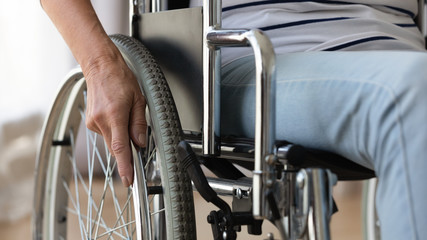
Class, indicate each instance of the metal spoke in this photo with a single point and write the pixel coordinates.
(114, 196)
(129, 211)
(87, 192)
(92, 141)
(85, 188)
(117, 205)
(114, 229)
(150, 158)
(78, 213)
(103, 197)
(102, 225)
(133, 231)
(90, 162)
(121, 214)
(82, 229)
(157, 212)
(107, 171)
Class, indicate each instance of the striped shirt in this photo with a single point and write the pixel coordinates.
(322, 25)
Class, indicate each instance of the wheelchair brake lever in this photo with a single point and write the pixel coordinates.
(192, 167)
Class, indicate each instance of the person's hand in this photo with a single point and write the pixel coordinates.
(115, 107)
(116, 110)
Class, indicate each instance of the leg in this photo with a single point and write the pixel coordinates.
(366, 106)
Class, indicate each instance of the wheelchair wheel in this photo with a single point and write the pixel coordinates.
(78, 193)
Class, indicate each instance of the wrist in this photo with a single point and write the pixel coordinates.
(101, 60)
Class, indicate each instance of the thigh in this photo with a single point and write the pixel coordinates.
(335, 101)
(369, 107)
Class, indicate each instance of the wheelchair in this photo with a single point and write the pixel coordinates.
(76, 176)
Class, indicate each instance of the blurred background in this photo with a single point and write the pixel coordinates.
(34, 60)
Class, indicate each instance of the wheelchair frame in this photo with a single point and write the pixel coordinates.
(267, 154)
(286, 188)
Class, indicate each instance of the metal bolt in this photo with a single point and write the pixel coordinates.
(300, 180)
(224, 235)
(239, 193)
(270, 159)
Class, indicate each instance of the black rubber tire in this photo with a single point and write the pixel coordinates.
(166, 128)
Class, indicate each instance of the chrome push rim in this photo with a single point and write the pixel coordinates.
(151, 192)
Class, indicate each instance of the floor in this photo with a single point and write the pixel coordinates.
(346, 224)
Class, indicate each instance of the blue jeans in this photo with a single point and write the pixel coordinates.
(370, 107)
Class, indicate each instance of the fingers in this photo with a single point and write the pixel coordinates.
(138, 123)
(115, 109)
(121, 149)
(91, 118)
(112, 122)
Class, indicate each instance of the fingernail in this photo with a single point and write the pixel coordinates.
(141, 139)
(125, 181)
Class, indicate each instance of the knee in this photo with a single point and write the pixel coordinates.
(411, 82)
(399, 108)
(403, 76)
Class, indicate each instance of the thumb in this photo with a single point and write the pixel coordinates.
(138, 123)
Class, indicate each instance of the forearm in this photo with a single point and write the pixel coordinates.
(81, 29)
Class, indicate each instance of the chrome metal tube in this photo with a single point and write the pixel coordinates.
(228, 38)
(149, 6)
(265, 109)
(155, 5)
(140, 195)
(223, 188)
(144, 6)
(159, 5)
(42, 156)
(227, 187)
(132, 10)
(264, 103)
(265, 93)
(319, 222)
(211, 75)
